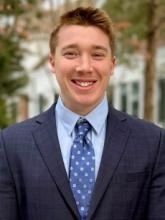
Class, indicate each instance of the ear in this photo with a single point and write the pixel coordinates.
(113, 64)
(52, 63)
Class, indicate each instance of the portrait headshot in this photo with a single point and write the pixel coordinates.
(82, 159)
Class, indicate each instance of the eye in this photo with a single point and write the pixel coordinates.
(98, 55)
(70, 54)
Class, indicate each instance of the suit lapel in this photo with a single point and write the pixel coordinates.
(117, 133)
(46, 140)
(45, 136)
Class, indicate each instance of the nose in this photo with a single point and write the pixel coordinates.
(84, 64)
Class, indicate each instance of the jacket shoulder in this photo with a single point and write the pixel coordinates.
(136, 124)
(26, 127)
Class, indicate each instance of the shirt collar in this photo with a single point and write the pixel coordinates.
(98, 116)
(69, 118)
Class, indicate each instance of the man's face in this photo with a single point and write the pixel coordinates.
(82, 64)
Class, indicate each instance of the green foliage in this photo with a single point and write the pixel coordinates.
(140, 28)
(11, 7)
(5, 118)
(131, 19)
(12, 74)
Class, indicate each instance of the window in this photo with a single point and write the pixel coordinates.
(129, 98)
(135, 98)
(124, 100)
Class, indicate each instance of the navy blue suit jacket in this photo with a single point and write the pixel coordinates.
(130, 183)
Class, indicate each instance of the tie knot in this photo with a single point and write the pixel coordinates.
(82, 127)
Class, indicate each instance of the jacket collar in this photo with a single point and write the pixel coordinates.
(45, 136)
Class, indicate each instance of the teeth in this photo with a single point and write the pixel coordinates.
(84, 84)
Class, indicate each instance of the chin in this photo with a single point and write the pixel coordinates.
(85, 102)
(88, 105)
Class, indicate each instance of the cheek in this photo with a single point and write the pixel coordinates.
(64, 68)
(105, 78)
(62, 75)
(105, 75)
(104, 69)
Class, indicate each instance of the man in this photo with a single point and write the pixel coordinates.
(82, 159)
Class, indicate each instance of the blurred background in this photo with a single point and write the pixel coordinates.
(27, 86)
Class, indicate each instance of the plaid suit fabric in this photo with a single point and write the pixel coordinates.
(130, 183)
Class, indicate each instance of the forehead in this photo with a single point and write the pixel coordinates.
(78, 34)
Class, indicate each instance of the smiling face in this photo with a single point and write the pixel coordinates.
(82, 64)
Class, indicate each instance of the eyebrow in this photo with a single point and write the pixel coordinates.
(96, 47)
(99, 47)
(70, 46)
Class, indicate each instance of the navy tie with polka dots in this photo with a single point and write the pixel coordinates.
(82, 167)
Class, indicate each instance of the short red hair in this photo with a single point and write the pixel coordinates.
(85, 16)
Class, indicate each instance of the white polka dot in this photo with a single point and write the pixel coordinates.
(93, 158)
(78, 152)
(91, 180)
(75, 174)
(75, 146)
(86, 174)
(81, 141)
(73, 157)
(74, 185)
(82, 208)
(78, 191)
(89, 191)
(84, 186)
(80, 180)
(92, 169)
(77, 202)
(77, 163)
(83, 197)
(87, 163)
(71, 168)
(89, 153)
(83, 158)
(81, 168)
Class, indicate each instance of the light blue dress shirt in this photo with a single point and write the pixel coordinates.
(65, 122)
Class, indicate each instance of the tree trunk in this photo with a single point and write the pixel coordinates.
(150, 65)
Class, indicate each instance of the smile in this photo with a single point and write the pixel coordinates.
(83, 83)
